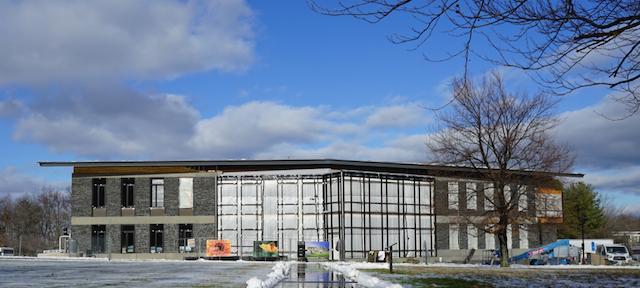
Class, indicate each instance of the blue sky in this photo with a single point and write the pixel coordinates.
(255, 80)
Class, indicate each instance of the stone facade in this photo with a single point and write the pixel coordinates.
(142, 238)
(113, 236)
(81, 196)
(142, 196)
(171, 196)
(113, 197)
(204, 196)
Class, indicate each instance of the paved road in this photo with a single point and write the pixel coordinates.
(68, 273)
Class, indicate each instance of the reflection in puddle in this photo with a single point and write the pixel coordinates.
(315, 275)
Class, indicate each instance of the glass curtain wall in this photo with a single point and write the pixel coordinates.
(366, 211)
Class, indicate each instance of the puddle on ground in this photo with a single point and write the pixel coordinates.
(315, 275)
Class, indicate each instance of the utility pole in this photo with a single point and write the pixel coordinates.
(583, 220)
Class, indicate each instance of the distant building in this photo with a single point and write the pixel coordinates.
(168, 209)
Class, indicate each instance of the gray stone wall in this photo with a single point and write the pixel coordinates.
(463, 236)
(442, 236)
(81, 196)
(112, 196)
(171, 196)
(481, 239)
(170, 238)
(202, 232)
(82, 234)
(204, 196)
(113, 236)
(142, 199)
(441, 200)
(142, 238)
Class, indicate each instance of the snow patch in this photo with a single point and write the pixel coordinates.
(279, 272)
(350, 271)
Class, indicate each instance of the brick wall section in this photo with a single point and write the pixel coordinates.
(112, 196)
(171, 196)
(142, 238)
(170, 238)
(81, 197)
(82, 234)
(442, 236)
(549, 233)
(463, 237)
(204, 196)
(202, 232)
(142, 200)
(441, 201)
(481, 239)
(113, 236)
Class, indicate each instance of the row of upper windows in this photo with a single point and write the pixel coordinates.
(156, 193)
(472, 192)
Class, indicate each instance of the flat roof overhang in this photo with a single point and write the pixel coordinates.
(263, 165)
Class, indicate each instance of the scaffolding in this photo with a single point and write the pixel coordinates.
(355, 211)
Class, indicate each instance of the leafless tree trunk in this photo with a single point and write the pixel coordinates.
(565, 45)
(498, 134)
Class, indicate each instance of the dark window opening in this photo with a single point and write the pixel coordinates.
(97, 195)
(156, 242)
(98, 238)
(127, 192)
(127, 240)
(157, 193)
(185, 232)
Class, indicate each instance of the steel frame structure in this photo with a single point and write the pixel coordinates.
(355, 211)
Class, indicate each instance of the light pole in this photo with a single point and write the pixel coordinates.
(583, 220)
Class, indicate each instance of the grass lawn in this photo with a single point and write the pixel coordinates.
(414, 279)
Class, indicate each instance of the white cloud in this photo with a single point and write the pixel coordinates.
(16, 183)
(10, 108)
(118, 123)
(127, 124)
(600, 142)
(51, 41)
(406, 115)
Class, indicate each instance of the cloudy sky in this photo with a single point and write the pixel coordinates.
(135, 80)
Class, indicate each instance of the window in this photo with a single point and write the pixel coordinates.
(522, 201)
(186, 192)
(453, 195)
(472, 237)
(156, 242)
(127, 192)
(489, 239)
(97, 195)
(488, 196)
(127, 240)
(523, 236)
(157, 192)
(98, 238)
(185, 232)
(454, 230)
(472, 196)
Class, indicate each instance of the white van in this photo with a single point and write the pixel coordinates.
(6, 251)
(611, 254)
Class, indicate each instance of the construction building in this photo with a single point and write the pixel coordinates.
(168, 209)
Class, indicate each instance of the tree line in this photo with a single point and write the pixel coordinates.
(34, 222)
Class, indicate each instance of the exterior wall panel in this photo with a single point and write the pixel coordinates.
(141, 197)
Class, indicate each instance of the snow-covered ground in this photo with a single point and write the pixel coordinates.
(515, 276)
(88, 272)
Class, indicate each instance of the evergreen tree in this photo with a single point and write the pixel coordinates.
(581, 202)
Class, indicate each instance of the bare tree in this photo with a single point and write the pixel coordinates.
(566, 45)
(496, 133)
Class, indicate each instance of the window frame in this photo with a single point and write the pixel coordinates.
(98, 187)
(124, 232)
(185, 232)
(98, 238)
(127, 192)
(156, 238)
(154, 192)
